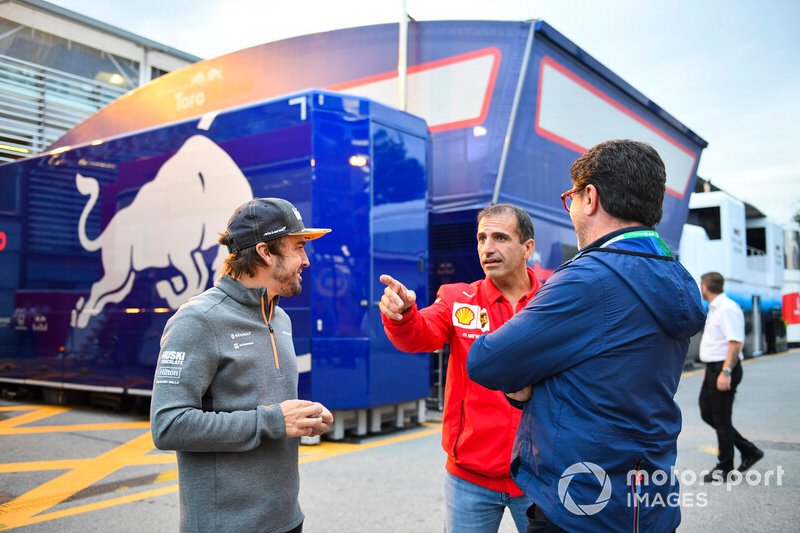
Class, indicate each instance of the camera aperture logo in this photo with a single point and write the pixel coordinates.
(584, 509)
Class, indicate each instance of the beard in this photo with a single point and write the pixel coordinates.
(289, 286)
(580, 234)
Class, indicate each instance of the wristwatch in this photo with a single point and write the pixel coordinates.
(727, 371)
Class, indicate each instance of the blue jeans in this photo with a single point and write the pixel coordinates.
(471, 508)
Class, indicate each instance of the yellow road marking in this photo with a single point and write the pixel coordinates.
(18, 407)
(94, 506)
(68, 464)
(161, 458)
(709, 449)
(29, 508)
(323, 451)
(327, 450)
(40, 466)
(72, 427)
(37, 413)
(20, 510)
(166, 475)
(702, 370)
(82, 473)
(11, 426)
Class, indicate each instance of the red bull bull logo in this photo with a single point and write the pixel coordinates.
(172, 220)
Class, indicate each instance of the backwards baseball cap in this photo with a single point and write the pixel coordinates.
(267, 219)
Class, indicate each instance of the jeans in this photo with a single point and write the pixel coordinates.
(471, 508)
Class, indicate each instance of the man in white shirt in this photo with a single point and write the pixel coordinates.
(721, 351)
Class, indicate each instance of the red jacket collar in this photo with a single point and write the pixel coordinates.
(493, 294)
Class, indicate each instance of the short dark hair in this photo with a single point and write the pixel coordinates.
(629, 177)
(714, 282)
(246, 261)
(524, 222)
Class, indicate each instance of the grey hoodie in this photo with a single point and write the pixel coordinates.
(216, 396)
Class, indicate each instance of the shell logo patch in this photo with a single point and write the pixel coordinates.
(466, 316)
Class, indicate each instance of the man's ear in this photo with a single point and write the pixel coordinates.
(263, 252)
(591, 200)
(530, 246)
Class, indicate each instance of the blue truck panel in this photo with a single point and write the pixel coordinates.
(113, 236)
(508, 107)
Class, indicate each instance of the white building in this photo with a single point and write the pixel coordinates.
(57, 67)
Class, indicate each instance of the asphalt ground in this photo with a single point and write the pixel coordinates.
(82, 469)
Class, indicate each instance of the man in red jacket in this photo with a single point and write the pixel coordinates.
(479, 424)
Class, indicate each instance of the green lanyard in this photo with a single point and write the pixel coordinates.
(640, 234)
(632, 235)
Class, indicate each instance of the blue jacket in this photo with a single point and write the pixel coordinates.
(603, 342)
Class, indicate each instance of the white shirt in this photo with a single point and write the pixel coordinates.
(724, 323)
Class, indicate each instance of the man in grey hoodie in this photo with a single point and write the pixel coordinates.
(225, 389)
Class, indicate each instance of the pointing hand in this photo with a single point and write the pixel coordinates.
(396, 298)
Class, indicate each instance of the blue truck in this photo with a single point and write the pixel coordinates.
(104, 235)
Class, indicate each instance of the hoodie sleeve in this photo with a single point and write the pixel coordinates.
(186, 367)
(560, 327)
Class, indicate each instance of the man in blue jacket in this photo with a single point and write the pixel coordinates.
(603, 344)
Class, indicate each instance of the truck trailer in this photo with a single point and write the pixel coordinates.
(497, 112)
(726, 235)
(791, 283)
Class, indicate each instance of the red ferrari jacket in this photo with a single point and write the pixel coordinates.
(479, 424)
